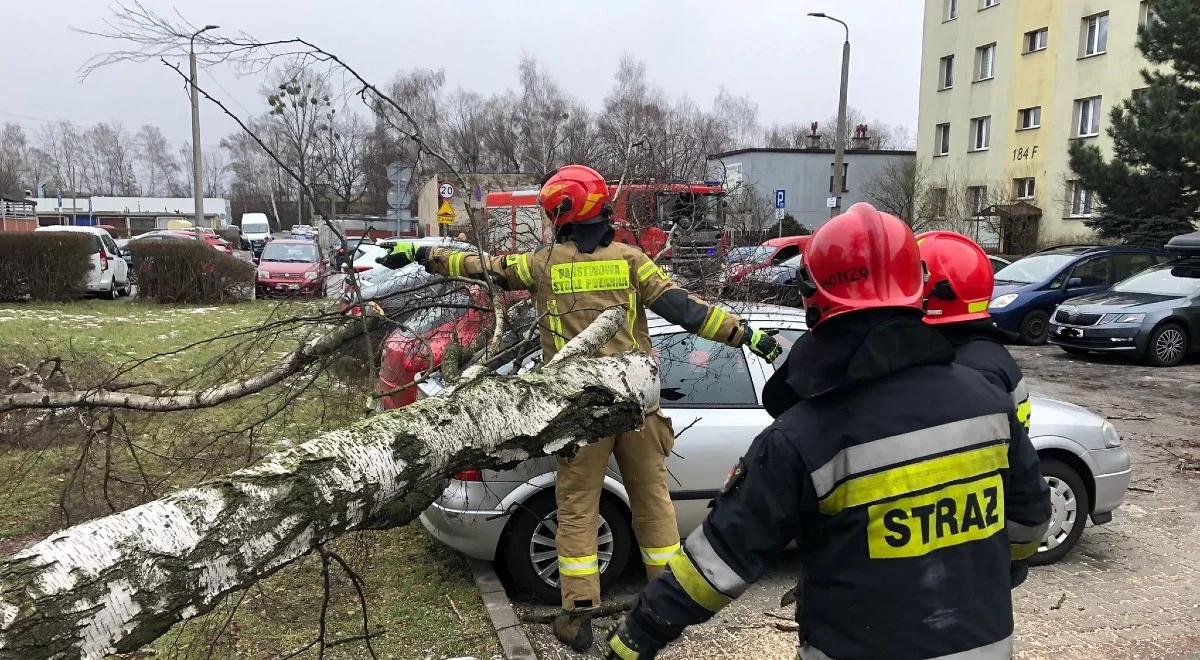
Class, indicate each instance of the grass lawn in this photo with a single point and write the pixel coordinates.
(421, 600)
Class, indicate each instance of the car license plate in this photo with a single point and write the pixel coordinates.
(1070, 332)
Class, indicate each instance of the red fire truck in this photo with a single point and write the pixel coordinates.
(693, 214)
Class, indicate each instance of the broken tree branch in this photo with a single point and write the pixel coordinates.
(116, 583)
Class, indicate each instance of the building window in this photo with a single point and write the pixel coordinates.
(985, 62)
(951, 10)
(1023, 188)
(946, 72)
(1087, 117)
(1082, 200)
(988, 4)
(1094, 35)
(977, 195)
(981, 133)
(1028, 118)
(939, 200)
(1037, 40)
(845, 177)
(941, 140)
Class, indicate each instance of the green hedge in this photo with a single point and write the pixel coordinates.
(44, 265)
(187, 271)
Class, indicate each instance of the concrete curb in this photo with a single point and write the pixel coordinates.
(514, 642)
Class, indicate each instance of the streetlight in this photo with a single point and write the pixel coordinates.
(839, 144)
(197, 190)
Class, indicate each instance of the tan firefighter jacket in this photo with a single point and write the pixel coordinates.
(572, 288)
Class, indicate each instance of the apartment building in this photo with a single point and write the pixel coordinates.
(1006, 86)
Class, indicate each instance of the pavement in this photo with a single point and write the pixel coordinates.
(1131, 588)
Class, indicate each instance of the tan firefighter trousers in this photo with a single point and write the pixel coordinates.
(641, 457)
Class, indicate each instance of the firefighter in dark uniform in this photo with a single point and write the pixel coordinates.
(956, 304)
(957, 295)
(572, 282)
(900, 474)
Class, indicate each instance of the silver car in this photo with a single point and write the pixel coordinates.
(712, 393)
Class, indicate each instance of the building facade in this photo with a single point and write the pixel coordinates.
(1006, 86)
(130, 216)
(805, 176)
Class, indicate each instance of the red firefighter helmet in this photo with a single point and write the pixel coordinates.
(960, 278)
(574, 193)
(862, 259)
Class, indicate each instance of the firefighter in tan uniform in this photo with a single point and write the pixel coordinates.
(573, 281)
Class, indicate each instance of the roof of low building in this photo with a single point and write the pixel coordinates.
(849, 152)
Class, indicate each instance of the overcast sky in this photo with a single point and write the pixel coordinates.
(769, 50)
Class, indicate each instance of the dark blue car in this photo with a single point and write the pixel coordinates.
(1028, 290)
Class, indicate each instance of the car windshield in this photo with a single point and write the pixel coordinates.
(756, 254)
(254, 228)
(304, 253)
(1178, 280)
(1032, 270)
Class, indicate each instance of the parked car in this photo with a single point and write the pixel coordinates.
(776, 283)
(378, 282)
(212, 240)
(291, 267)
(109, 274)
(1154, 315)
(998, 263)
(1028, 290)
(428, 329)
(715, 392)
(741, 261)
(304, 231)
(256, 229)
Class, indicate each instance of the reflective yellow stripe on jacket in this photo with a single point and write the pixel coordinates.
(712, 323)
(520, 262)
(555, 324)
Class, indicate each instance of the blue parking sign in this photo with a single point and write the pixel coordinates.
(780, 199)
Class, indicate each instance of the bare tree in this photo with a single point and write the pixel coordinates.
(63, 148)
(342, 155)
(158, 170)
(300, 113)
(897, 189)
(14, 159)
(108, 160)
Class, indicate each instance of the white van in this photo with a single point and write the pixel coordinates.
(109, 275)
(256, 229)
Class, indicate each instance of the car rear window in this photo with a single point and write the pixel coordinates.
(1178, 280)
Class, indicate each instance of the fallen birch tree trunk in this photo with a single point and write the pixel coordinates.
(116, 583)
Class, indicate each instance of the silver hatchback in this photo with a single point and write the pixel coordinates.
(712, 393)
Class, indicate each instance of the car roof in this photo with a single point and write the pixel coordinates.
(1096, 249)
(784, 241)
(754, 313)
(78, 228)
(293, 241)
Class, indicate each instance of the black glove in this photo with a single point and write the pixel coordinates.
(402, 254)
(762, 343)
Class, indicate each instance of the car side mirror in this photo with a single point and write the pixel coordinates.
(1074, 282)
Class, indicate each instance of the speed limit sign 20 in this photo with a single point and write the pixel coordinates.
(446, 190)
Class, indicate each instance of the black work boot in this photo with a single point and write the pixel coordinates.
(574, 628)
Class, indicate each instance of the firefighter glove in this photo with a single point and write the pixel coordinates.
(762, 344)
(628, 641)
(403, 253)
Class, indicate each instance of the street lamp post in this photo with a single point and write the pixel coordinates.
(839, 144)
(197, 166)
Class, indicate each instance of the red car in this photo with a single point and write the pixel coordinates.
(291, 267)
(741, 261)
(405, 354)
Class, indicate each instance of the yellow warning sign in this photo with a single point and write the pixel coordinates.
(445, 213)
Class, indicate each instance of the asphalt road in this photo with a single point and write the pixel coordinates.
(1131, 589)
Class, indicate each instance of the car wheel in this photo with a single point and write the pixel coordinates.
(113, 292)
(529, 552)
(1168, 345)
(1034, 327)
(1069, 511)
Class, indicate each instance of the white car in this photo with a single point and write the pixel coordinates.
(713, 395)
(109, 274)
